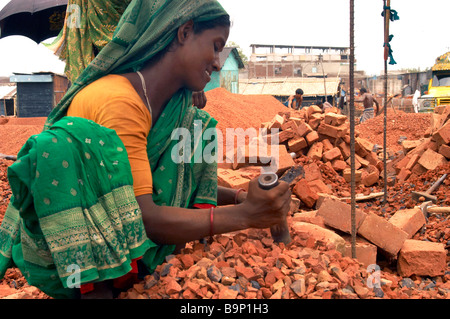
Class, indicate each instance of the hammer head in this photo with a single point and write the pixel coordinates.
(427, 197)
(424, 208)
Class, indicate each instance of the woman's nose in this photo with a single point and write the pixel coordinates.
(216, 63)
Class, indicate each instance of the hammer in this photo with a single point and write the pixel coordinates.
(280, 232)
(427, 195)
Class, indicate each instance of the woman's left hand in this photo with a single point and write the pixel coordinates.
(199, 99)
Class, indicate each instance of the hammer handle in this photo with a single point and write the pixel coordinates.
(437, 184)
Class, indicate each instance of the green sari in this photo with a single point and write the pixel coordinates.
(90, 233)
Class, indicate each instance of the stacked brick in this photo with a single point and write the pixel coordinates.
(325, 136)
(433, 150)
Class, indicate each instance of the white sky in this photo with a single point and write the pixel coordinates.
(420, 36)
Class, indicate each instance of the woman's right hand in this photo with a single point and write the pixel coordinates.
(265, 208)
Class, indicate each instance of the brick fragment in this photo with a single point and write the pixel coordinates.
(442, 135)
(312, 172)
(303, 191)
(445, 151)
(318, 234)
(403, 175)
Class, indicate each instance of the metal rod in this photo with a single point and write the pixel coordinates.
(352, 126)
(387, 4)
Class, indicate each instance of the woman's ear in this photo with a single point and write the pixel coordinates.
(184, 31)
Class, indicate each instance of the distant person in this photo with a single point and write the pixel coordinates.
(295, 101)
(324, 105)
(368, 100)
(342, 98)
(415, 101)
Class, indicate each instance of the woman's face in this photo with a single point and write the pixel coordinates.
(200, 56)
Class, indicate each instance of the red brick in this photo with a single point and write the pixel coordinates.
(173, 287)
(312, 137)
(445, 150)
(305, 193)
(443, 134)
(430, 159)
(366, 253)
(312, 109)
(312, 172)
(285, 160)
(334, 119)
(319, 186)
(362, 161)
(373, 159)
(232, 179)
(363, 146)
(337, 214)
(309, 217)
(317, 234)
(303, 129)
(332, 131)
(409, 220)
(402, 163)
(413, 161)
(327, 145)
(339, 165)
(276, 122)
(347, 174)
(316, 151)
(382, 233)
(332, 154)
(421, 258)
(403, 175)
(296, 144)
(410, 145)
(246, 272)
(345, 149)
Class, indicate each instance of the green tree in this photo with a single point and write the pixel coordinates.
(241, 53)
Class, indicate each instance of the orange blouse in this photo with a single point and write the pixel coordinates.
(113, 102)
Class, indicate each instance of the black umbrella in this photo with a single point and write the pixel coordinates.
(35, 19)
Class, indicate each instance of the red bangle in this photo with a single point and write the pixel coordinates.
(211, 222)
(236, 195)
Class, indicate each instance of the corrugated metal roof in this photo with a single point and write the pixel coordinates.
(7, 91)
(287, 86)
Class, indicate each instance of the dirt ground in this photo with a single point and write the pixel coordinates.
(249, 260)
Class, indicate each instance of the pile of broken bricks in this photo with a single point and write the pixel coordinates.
(433, 150)
(321, 136)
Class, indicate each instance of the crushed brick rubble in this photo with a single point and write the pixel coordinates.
(317, 263)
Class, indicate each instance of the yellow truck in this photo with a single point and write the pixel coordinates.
(439, 85)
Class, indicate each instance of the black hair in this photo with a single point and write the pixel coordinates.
(363, 90)
(222, 21)
(299, 91)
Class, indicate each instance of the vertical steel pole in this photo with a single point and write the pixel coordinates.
(387, 4)
(352, 126)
